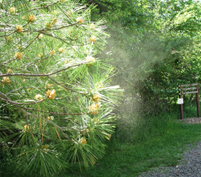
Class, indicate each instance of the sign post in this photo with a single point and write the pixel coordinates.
(188, 89)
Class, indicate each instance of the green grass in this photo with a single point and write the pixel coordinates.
(190, 110)
(159, 142)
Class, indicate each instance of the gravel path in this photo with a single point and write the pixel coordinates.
(189, 166)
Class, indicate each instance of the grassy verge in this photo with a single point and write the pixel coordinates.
(162, 142)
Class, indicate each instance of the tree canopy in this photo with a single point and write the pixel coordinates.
(155, 45)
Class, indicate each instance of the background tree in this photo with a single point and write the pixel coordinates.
(155, 46)
(56, 102)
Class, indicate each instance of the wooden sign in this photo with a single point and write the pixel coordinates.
(188, 89)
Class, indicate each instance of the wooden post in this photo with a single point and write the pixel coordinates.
(181, 105)
(198, 101)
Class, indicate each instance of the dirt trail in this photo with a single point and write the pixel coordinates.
(193, 120)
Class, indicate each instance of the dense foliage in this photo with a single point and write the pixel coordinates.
(56, 101)
(155, 45)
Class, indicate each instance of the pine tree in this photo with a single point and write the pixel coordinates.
(55, 97)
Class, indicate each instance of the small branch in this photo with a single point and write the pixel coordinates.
(60, 128)
(8, 60)
(16, 103)
(30, 43)
(2, 95)
(60, 84)
(34, 9)
(54, 113)
(41, 60)
(5, 30)
(23, 74)
(14, 30)
(55, 37)
(14, 68)
(42, 7)
(17, 90)
(85, 62)
(7, 34)
(63, 11)
(53, 29)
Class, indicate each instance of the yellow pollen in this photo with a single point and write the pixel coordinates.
(51, 94)
(18, 55)
(48, 86)
(83, 141)
(26, 128)
(49, 25)
(79, 20)
(52, 52)
(9, 71)
(40, 35)
(92, 39)
(90, 59)
(6, 80)
(54, 20)
(38, 97)
(61, 50)
(92, 26)
(19, 28)
(8, 38)
(32, 18)
(96, 98)
(94, 108)
(12, 10)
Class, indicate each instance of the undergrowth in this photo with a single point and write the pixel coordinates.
(157, 140)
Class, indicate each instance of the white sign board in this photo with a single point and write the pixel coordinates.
(180, 101)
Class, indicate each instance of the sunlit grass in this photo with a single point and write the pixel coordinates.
(162, 142)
